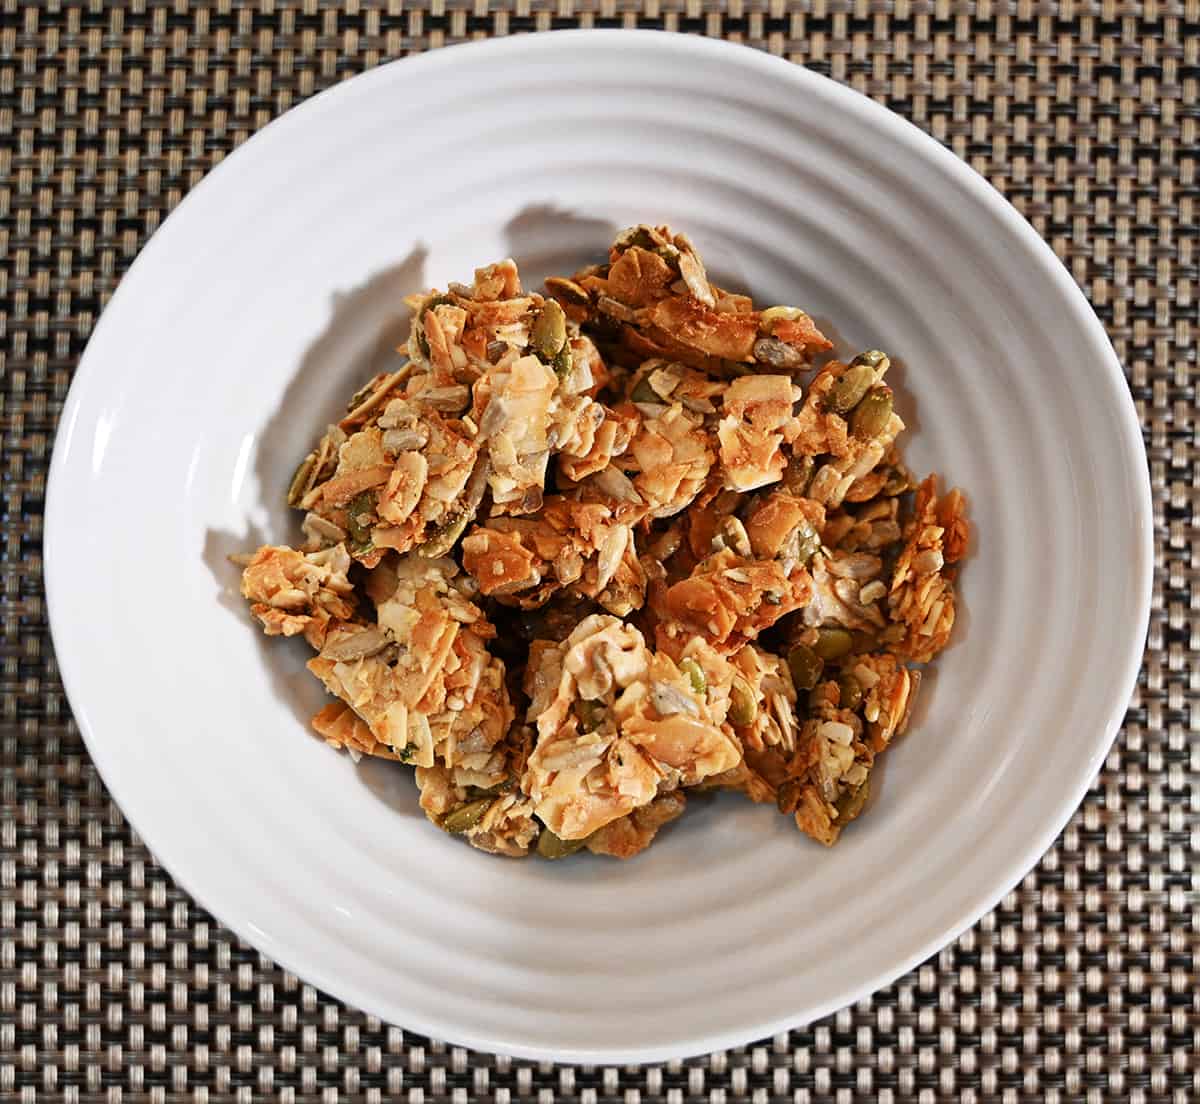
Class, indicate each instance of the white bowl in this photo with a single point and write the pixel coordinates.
(274, 291)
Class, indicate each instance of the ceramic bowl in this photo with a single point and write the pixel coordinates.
(275, 290)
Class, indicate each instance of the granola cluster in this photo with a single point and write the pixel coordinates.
(587, 552)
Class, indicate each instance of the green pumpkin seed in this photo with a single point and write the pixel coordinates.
(768, 318)
(428, 305)
(806, 667)
(818, 696)
(897, 483)
(865, 641)
(466, 816)
(851, 803)
(549, 331)
(850, 693)
(669, 254)
(492, 791)
(591, 714)
(644, 393)
(550, 846)
(569, 290)
(743, 709)
(872, 415)
(641, 236)
(299, 483)
(787, 797)
(833, 643)
(797, 474)
(443, 540)
(360, 397)
(361, 506)
(849, 389)
(562, 362)
(873, 358)
(695, 675)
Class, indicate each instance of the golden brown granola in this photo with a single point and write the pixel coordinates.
(616, 723)
(294, 592)
(584, 551)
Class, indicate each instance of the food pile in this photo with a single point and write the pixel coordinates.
(586, 554)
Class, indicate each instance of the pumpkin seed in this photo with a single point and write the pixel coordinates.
(428, 305)
(550, 846)
(850, 693)
(743, 709)
(849, 389)
(897, 483)
(569, 290)
(695, 675)
(797, 474)
(833, 643)
(641, 236)
(768, 318)
(444, 539)
(549, 331)
(466, 816)
(806, 667)
(591, 714)
(644, 393)
(495, 791)
(865, 641)
(872, 414)
(299, 483)
(851, 803)
(361, 506)
(360, 396)
(818, 696)
(873, 358)
(787, 797)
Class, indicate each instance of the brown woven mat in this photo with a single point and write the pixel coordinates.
(1080, 986)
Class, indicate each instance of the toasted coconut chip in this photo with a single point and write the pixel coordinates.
(758, 410)
(341, 727)
(672, 457)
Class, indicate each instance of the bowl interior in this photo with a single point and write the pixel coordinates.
(276, 290)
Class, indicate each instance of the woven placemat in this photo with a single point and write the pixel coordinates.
(1081, 985)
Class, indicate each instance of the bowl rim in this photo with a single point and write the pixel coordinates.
(899, 129)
